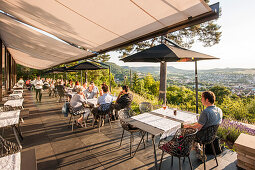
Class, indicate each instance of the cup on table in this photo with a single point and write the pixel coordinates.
(175, 111)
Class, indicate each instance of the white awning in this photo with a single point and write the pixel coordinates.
(34, 49)
(103, 24)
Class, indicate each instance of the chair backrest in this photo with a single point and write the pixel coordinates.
(7, 147)
(183, 140)
(124, 114)
(207, 135)
(145, 107)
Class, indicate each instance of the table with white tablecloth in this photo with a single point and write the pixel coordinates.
(14, 103)
(161, 122)
(17, 91)
(11, 118)
(11, 162)
(19, 95)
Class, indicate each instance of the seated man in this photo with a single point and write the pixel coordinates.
(104, 102)
(212, 115)
(124, 100)
(92, 91)
(77, 102)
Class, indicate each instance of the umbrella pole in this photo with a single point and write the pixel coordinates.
(130, 78)
(81, 79)
(110, 78)
(196, 82)
(86, 76)
(163, 77)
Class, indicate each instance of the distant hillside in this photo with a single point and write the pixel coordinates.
(120, 71)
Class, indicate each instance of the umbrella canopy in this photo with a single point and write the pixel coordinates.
(167, 53)
(86, 66)
(57, 70)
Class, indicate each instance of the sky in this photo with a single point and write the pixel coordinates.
(235, 49)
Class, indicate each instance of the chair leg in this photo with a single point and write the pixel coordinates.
(190, 164)
(70, 119)
(180, 164)
(122, 137)
(204, 156)
(109, 119)
(72, 122)
(183, 159)
(131, 136)
(214, 153)
(99, 123)
(172, 160)
(139, 143)
(161, 159)
(147, 137)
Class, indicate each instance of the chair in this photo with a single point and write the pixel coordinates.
(207, 136)
(60, 92)
(180, 145)
(104, 111)
(7, 147)
(124, 114)
(145, 107)
(74, 113)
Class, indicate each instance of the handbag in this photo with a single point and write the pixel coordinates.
(216, 143)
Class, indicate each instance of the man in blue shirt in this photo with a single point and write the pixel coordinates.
(212, 115)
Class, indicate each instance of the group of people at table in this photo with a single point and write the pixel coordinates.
(212, 115)
(105, 101)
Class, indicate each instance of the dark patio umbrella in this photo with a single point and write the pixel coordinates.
(167, 53)
(85, 66)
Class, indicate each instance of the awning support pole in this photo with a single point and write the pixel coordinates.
(163, 78)
(196, 82)
(1, 71)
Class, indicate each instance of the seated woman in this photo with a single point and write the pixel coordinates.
(77, 102)
(104, 102)
(124, 100)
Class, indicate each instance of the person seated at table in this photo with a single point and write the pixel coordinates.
(84, 87)
(21, 82)
(77, 102)
(103, 102)
(92, 91)
(61, 91)
(101, 91)
(77, 85)
(124, 100)
(212, 115)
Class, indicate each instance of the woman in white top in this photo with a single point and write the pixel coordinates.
(77, 102)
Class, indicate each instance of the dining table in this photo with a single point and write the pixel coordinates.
(15, 103)
(161, 122)
(11, 118)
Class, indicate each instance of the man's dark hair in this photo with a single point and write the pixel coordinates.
(105, 88)
(125, 87)
(210, 96)
(91, 82)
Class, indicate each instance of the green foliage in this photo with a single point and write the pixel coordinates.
(220, 92)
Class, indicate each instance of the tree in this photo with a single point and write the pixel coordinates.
(220, 92)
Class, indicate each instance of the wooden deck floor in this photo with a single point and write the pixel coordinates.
(57, 147)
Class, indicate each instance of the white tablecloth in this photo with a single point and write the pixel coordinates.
(17, 91)
(168, 126)
(181, 115)
(17, 94)
(14, 103)
(10, 162)
(93, 101)
(9, 118)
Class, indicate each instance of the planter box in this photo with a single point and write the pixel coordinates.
(245, 146)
